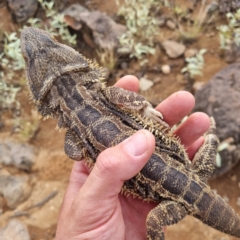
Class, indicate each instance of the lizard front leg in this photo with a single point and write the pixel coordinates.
(74, 147)
(166, 213)
(133, 101)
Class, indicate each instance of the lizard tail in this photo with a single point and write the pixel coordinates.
(219, 215)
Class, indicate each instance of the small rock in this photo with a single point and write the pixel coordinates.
(234, 178)
(15, 230)
(22, 10)
(173, 49)
(170, 24)
(238, 201)
(209, 35)
(14, 189)
(104, 31)
(166, 69)
(216, 98)
(145, 84)
(124, 65)
(198, 86)
(72, 15)
(20, 155)
(157, 80)
(191, 52)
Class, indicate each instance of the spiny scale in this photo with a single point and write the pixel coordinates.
(98, 117)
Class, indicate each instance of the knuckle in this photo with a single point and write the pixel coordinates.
(108, 160)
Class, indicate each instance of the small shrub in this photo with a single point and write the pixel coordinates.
(8, 96)
(230, 33)
(142, 27)
(195, 64)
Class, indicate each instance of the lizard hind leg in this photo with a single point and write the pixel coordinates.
(166, 213)
(73, 146)
(204, 161)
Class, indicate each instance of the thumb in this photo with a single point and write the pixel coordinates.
(119, 163)
(98, 196)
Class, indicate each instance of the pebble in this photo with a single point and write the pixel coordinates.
(209, 35)
(15, 189)
(191, 52)
(20, 155)
(15, 230)
(198, 85)
(234, 178)
(145, 84)
(173, 48)
(166, 69)
(99, 28)
(124, 65)
(157, 80)
(22, 10)
(170, 24)
(238, 201)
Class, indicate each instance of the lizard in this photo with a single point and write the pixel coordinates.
(67, 86)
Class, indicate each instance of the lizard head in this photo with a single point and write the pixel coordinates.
(46, 59)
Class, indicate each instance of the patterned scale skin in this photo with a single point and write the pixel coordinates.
(66, 86)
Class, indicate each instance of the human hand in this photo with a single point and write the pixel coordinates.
(93, 207)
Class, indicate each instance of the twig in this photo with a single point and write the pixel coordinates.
(39, 204)
(46, 199)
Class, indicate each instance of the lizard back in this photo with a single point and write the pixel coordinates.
(65, 85)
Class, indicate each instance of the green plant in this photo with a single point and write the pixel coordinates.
(11, 56)
(55, 24)
(230, 33)
(225, 144)
(142, 27)
(28, 127)
(195, 64)
(8, 94)
(191, 25)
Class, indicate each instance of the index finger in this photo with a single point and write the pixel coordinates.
(173, 109)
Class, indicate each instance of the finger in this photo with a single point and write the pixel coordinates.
(120, 163)
(194, 147)
(176, 106)
(128, 82)
(114, 166)
(77, 178)
(193, 128)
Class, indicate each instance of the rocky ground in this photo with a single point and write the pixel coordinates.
(34, 174)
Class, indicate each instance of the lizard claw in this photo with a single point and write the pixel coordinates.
(153, 114)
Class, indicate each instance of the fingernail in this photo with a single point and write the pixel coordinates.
(136, 145)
